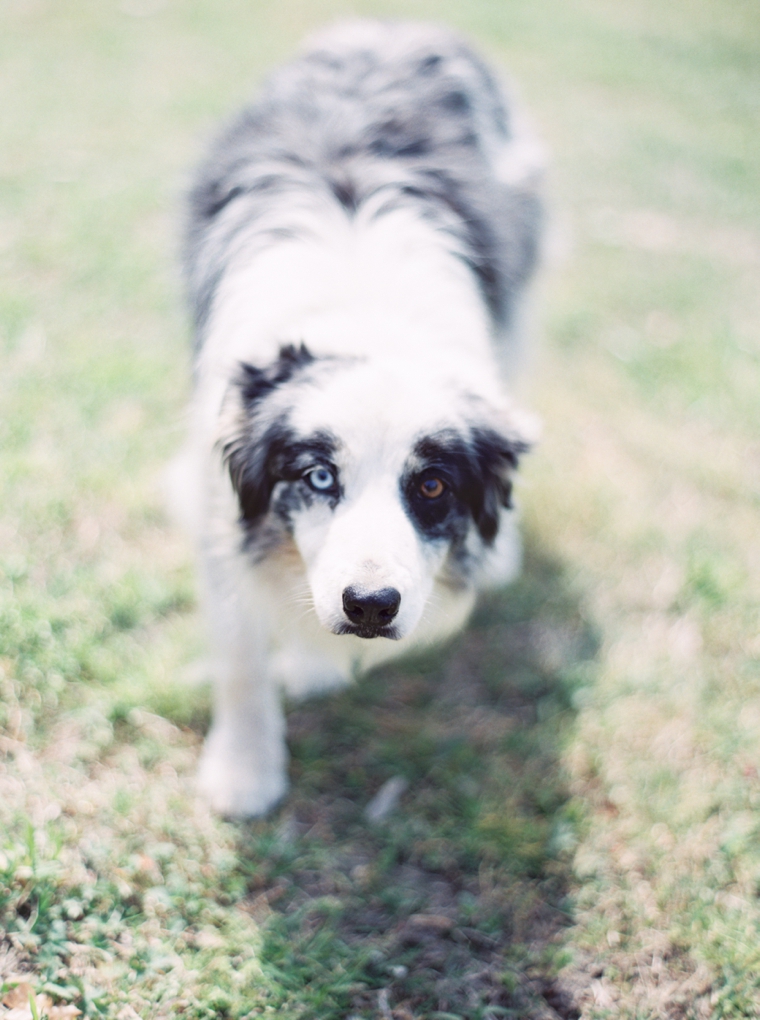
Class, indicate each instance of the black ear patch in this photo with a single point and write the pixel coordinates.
(257, 453)
(251, 460)
(490, 488)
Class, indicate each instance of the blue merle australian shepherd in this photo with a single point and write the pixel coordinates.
(359, 242)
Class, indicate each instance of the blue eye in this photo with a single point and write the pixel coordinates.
(321, 479)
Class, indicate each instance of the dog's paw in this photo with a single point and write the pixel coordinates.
(237, 786)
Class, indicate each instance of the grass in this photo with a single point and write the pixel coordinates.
(580, 830)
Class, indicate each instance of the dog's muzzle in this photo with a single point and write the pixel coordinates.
(370, 613)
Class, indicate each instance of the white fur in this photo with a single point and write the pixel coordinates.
(391, 294)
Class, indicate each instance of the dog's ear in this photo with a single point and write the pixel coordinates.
(495, 456)
(249, 457)
(252, 441)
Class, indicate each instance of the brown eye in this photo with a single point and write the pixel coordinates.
(432, 488)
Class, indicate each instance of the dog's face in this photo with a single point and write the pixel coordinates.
(383, 483)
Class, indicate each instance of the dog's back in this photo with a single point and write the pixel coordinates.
(389, 113)
(358, 239)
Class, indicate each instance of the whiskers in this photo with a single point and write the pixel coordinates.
(301, 599)
(433, 601)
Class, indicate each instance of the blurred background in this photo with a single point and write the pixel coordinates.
(580, 835)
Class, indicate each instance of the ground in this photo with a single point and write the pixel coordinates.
(579, 833)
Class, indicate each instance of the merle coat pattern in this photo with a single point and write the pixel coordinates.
(358, 246)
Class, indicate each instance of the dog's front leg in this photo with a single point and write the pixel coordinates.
(243, 767)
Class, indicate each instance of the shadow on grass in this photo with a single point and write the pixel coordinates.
(449, 906)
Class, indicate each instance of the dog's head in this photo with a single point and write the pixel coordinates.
(385, 483)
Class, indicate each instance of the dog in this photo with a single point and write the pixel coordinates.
(358, 248)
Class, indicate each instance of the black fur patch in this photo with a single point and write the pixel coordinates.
(267, 460)
(258, 463)
(475, 470)
(256, 383)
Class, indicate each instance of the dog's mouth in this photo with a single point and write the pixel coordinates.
(366, 631)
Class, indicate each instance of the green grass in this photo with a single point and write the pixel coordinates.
(583, 768)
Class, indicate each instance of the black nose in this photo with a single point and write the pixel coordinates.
(371, 608)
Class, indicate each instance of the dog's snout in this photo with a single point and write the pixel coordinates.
(371, 608)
